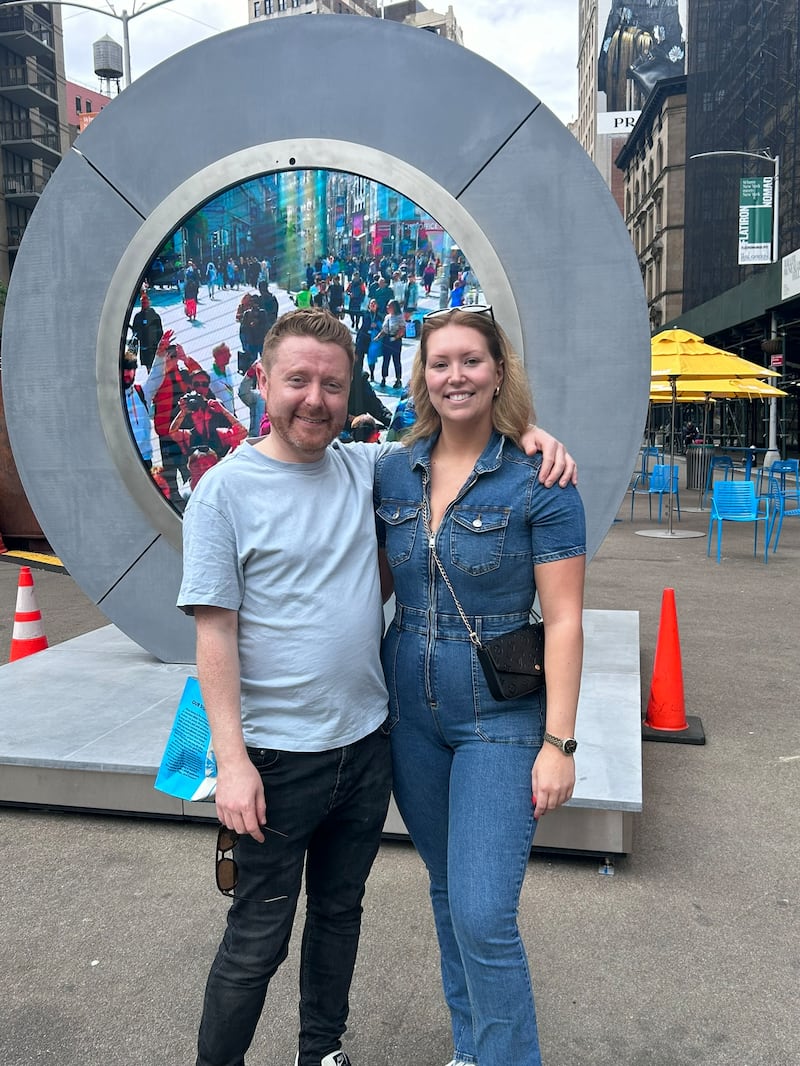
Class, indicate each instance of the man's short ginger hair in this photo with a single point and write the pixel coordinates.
(313, 322)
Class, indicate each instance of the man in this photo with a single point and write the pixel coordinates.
(382, 296)
(269, 304)
(148, 331)
(203, 421)
(168, 380)
(138, 414)
(276, 538)
(221, 376)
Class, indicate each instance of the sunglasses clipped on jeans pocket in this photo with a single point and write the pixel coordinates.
(227, 870)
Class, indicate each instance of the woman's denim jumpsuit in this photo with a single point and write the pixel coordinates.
(461, 760)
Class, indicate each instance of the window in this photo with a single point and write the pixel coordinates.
(256, 9)
(78, 104)
(88, 107)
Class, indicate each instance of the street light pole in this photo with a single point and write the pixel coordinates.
(773, 454)
(124, 18)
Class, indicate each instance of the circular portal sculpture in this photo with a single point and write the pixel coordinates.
(501, 175)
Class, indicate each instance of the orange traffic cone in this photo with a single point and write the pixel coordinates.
(28, 636)
(666, 710)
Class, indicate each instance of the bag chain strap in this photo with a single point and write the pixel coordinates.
(473, 636)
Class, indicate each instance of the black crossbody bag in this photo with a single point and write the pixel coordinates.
(513, 664)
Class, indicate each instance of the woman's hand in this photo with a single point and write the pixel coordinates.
(552, 779)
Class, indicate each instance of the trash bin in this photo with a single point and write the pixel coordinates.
(698, 459)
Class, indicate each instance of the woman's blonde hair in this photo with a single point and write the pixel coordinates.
(512, 409)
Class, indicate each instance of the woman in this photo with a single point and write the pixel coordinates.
(428, 276)
(356, 292)
(391, 336)
(471, 773)
(191, 290)
(368, 330)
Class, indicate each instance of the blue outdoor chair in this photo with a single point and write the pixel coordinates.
(639, 480)
(717, 462)
(659, 485)
(784, 497)
(736, 501)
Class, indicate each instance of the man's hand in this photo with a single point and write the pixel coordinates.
(557, 464)
(240, 799)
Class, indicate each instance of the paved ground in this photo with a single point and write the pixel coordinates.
(688, 954)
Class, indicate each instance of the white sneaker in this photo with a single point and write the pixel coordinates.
(336, 1058)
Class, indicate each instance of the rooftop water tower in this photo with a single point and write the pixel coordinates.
(108, 62)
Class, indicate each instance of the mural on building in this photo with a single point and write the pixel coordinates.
(642, 43)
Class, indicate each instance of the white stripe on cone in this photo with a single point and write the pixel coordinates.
(28, 630)
(28, 635)
(26, 600)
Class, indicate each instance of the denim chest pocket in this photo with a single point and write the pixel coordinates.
(476, 538)
(400, 519)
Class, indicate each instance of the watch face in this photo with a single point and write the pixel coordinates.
(570, 746)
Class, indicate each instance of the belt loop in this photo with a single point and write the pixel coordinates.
(398, 615)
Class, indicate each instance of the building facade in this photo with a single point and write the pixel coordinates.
(653, 161)
(269, 9)
(586, 126)
(83, 104)
(601, 147)
(410, 12)
(33, 117)
(624, 51)
(743, 96)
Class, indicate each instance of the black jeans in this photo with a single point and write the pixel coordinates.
(331, 805)
(391, 353)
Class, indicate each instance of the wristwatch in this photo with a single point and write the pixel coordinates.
(568, 746)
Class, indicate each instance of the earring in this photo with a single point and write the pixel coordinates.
(497, 391)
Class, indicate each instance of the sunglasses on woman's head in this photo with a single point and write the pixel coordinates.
(227, 870)
(477, 309)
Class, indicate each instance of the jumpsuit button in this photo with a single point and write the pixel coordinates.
(477, 523)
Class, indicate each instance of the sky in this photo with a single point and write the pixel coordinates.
(535, 41)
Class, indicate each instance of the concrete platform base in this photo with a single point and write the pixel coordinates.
(85, 723)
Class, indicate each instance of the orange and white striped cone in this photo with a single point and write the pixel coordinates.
(666, 709)
(28, 636)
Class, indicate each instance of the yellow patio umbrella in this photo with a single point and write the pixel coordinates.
(661, 392)
(679, 356)
(697, 389)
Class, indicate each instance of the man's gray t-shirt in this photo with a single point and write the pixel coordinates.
(291, 547)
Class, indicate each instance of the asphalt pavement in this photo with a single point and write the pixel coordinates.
(687, 953)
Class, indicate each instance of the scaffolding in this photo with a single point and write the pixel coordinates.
(743, 95)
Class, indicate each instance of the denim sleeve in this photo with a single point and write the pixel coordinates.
(557, 522)
(380, 525)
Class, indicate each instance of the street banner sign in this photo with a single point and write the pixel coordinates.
(755, 220)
